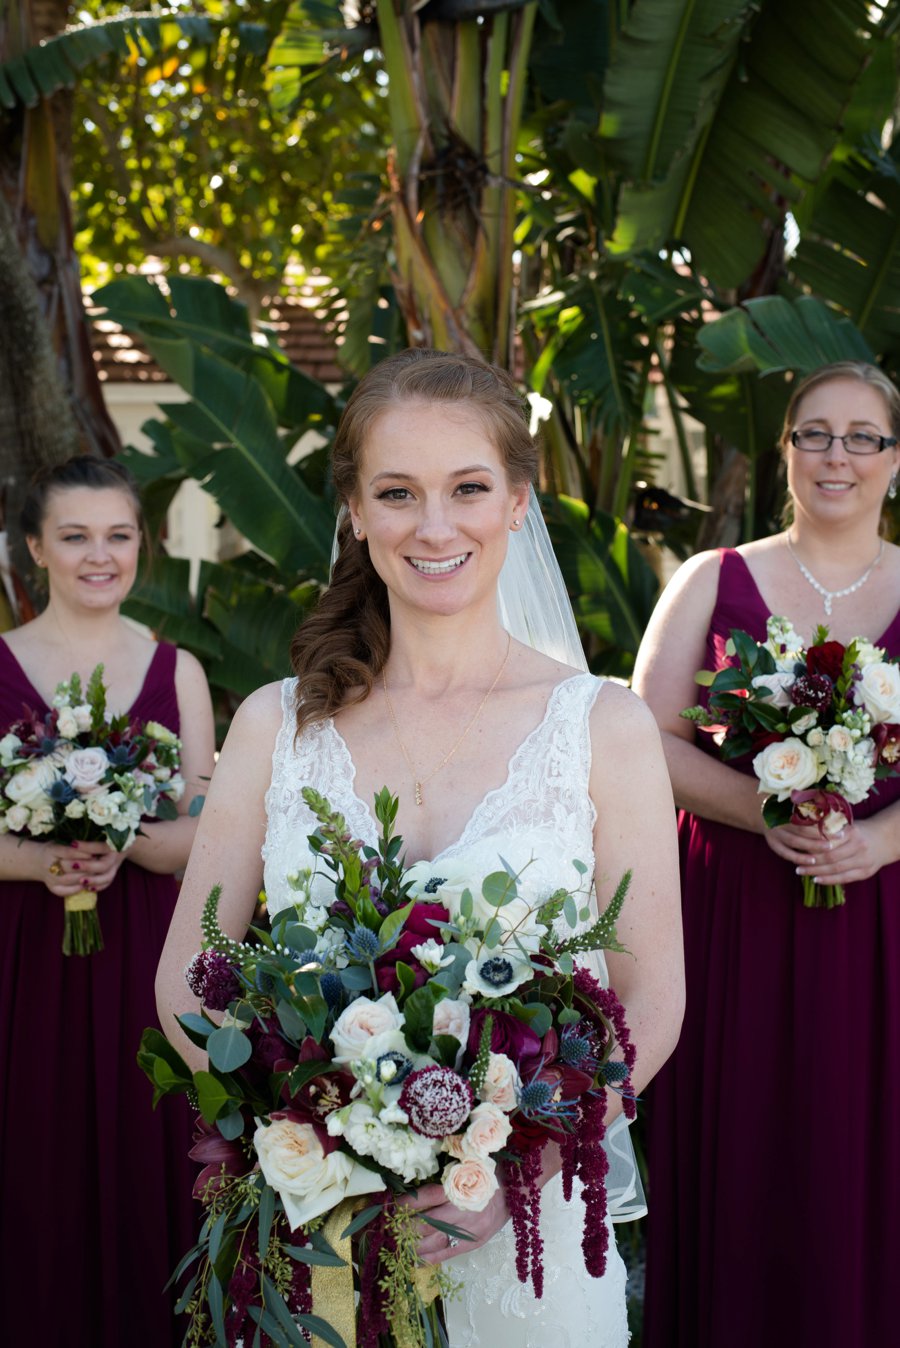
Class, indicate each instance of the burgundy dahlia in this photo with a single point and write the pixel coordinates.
(437, 1100)
(812, 690)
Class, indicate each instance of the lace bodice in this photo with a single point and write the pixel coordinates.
(540, 819)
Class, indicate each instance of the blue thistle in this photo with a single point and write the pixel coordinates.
(332, 990)
(536, 1101)
(578, 1049)
(264, 982)
(61, 792)
(362, 944)
(310, 956)
(614, 1072)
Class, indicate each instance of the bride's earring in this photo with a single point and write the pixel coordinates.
(515, 524)
(892, 489)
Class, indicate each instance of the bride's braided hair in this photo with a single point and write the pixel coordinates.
(340, 650)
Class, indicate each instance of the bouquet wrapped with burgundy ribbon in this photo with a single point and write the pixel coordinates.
(823, 724)
(394, 1028)
(78, 774)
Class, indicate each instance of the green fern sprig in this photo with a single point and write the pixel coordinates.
(601, 935)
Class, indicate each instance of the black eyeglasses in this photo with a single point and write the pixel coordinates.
(858, 442)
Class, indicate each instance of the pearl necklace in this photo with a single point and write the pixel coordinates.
(830, 595)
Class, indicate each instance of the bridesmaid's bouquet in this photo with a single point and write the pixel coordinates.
(397, 1027)
(79, 775)
(823, 725)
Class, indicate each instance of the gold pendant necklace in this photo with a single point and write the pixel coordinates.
(418, 781)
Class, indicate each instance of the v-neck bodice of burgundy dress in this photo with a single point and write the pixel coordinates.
(95, 1206)
(774, 1130)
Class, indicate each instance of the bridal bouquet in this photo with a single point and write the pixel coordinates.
(824, 724)
(396, 1027)
(79, 775)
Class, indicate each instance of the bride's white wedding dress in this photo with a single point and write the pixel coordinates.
(541, 817)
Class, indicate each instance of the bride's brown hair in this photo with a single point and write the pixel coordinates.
(339, 651)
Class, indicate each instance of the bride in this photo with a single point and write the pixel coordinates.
(406, 677)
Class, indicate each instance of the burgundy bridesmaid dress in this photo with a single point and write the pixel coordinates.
(95, 1186)
(774, 1130)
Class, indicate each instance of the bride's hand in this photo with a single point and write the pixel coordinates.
(434, 1246)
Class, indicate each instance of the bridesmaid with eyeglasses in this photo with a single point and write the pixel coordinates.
(774, 1130)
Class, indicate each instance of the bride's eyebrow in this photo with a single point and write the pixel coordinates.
(410, 477)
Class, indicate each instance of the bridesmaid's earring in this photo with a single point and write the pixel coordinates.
(358, 532)
(892, 489)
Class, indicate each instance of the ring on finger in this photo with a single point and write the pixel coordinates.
(56, 868)
(453, 1241)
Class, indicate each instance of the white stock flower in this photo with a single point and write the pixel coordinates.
(778, 686)
(308, 1181)
(501, 1082)
(86, 768)
(867, 653)
(408, 1154)
(470, 1184)
(878, 690)
(361, 1021)
(789, 765)
(9, 747)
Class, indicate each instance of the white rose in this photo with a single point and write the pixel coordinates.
(86, 768)
(785, 767)
(17, 818)
(804, 723)
(360, 1022)
(66, 724)
(488, 1129)
(101, 809)
(879, 692)
(42, 820)
(308, 1181)
(839, 739)
(867, 653)
(9, 749)
(83, 718)
(778, 686)
(30, 786)
(452, 1017)
(162, 774)
(470, 1184)
(501, 1082)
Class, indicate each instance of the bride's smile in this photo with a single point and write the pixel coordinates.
(435, 506)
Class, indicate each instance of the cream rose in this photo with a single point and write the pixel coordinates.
(102, 809)
(879, 692)
(308, 1181)
(501, 1082)
(86, 768)
(785, 767)
(488, 1130)
(839, 739)
(470, 1184)
(452, 1017)
(360, 1022)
